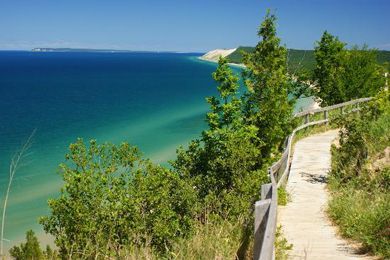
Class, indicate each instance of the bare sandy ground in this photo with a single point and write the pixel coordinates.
(214, 55)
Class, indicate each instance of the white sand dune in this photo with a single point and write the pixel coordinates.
(214, 55)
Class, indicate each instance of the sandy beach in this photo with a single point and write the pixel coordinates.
(214, 55)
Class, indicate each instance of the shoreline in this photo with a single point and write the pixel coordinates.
(242, 66)
(214, 55)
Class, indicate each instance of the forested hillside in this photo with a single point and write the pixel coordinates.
(297, 58)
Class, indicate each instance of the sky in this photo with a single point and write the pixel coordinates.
(187, 25)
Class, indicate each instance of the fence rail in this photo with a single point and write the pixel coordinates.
(266, 208)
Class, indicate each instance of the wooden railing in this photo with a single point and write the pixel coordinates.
(266, 208)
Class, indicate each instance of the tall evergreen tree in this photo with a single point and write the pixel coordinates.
(328, 72)
(222, 163)
(267, 104)
(225, 109)
(29, 250)
(342, 74)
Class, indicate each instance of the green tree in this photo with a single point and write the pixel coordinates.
(329, 52)
(27, 251)
(112, 199)
(267, 106)
(50, 254)
(343, 75)
(362, 75)
(222, 163)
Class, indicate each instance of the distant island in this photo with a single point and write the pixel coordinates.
(75, 50)
(40, 49)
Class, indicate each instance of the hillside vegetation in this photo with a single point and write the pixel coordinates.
(297, 59)
(360, 177)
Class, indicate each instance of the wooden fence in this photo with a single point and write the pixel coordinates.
(266, 208)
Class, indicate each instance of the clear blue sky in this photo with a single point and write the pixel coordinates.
(187, 25)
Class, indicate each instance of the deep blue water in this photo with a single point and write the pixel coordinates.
(153, 100)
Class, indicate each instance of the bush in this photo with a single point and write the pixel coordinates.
(112, 199)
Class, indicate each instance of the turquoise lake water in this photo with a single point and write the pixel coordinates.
(153, 100)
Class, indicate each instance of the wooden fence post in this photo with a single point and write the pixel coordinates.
(266, 191)
(307, 119)
(261, 217)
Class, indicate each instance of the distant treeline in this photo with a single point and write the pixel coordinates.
(297, 59)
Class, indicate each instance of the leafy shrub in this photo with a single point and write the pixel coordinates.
(361, 134)
(112, 198)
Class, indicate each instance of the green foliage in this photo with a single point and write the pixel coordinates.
(383, 57)
(225, 110)
(353, 149)
(217, 240)
(282, 247)
(268, 86)
(50, 254)
(112, 198)
(283, 196)
(300, 86)
(362, 76)
(299, 60)
(386, 66)
(223, 164)
(363, 215)
(238, 55)
(29, 250)
(329, 67)
(360, 200)
(343, 75)
(359, 139)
